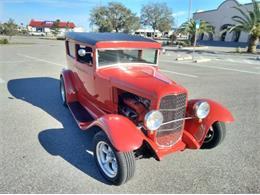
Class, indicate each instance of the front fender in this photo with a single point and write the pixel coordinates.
(122, 133)
(67, 76)
(198, 129)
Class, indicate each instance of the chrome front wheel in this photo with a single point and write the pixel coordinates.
(209, 136)
(106, 159)
(117, 167)
(215, 135)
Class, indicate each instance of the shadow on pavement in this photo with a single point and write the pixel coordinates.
(68, 142)
(224, 44)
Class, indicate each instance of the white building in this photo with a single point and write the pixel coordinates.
(221, 18)
(148, 33)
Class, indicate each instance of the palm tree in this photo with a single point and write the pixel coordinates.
(249, 22)
(189, 27)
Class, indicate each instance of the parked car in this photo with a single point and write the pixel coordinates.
(37, 34)
(113, 84)
(61, 36)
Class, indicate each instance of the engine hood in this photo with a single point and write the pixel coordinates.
(146, 81)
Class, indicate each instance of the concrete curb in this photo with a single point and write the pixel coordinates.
(185, 48)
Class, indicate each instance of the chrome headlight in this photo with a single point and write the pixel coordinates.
(201, 109)
(153, 120)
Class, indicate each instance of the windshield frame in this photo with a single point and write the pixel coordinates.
(132, 64)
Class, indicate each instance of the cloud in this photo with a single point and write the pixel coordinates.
(179, 13)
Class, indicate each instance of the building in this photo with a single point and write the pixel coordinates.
(37, 27)
(220, 18)
(148, 33)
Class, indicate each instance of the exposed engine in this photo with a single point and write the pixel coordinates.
(134, 107)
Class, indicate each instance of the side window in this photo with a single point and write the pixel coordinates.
(84, 54)
(70, 49)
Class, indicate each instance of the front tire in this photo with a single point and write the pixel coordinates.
(116, 167)
(215, 135)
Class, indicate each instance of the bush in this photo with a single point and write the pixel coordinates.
(4, 41)
(184, 43)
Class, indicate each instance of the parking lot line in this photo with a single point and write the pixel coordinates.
(39, 59)
(218, 67)
(14, 61)
(182, 74)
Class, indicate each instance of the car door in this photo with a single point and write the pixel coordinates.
(85, 72)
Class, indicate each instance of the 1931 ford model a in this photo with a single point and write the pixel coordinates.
(113, 84)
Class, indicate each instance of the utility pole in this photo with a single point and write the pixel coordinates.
(190, 5)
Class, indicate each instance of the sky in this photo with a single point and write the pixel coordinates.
(77, 11)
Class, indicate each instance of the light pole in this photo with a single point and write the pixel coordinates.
(190, 4)
(197, 26)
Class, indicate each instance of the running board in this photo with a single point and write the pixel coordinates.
(81, 115)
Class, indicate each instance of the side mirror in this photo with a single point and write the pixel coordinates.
(82, 52)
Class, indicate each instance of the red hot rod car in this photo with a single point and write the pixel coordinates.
(113, 84)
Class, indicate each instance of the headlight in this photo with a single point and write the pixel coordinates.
(201, 109)
(153, 120)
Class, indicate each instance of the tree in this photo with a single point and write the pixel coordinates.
(55, 29)
(115, 16)
(249, 22)
(173, 37)
(132, 24)
(158, 16)
(10, 28)
(189, 27)
(67, 26)
(1, 28)
(100, 17)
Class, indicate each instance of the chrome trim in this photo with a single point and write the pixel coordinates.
(172, 109)
(148, 115)
(176, 120)
(173, 128)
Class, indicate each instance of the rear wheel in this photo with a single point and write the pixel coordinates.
(116, 167)
(63, 92)
(215, 135)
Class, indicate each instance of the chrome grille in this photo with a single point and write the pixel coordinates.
(173, 107)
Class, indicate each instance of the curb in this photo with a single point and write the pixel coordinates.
(185, 48)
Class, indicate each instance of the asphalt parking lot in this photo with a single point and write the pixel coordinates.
(43, 151)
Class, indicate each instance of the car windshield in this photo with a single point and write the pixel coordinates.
(127, 56)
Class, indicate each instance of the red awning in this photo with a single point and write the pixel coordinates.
(35, 23)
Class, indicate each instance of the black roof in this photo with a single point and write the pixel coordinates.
(92, 38)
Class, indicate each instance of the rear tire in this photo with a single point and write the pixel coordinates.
(63, 92)
(215, 136)
(121, 165)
